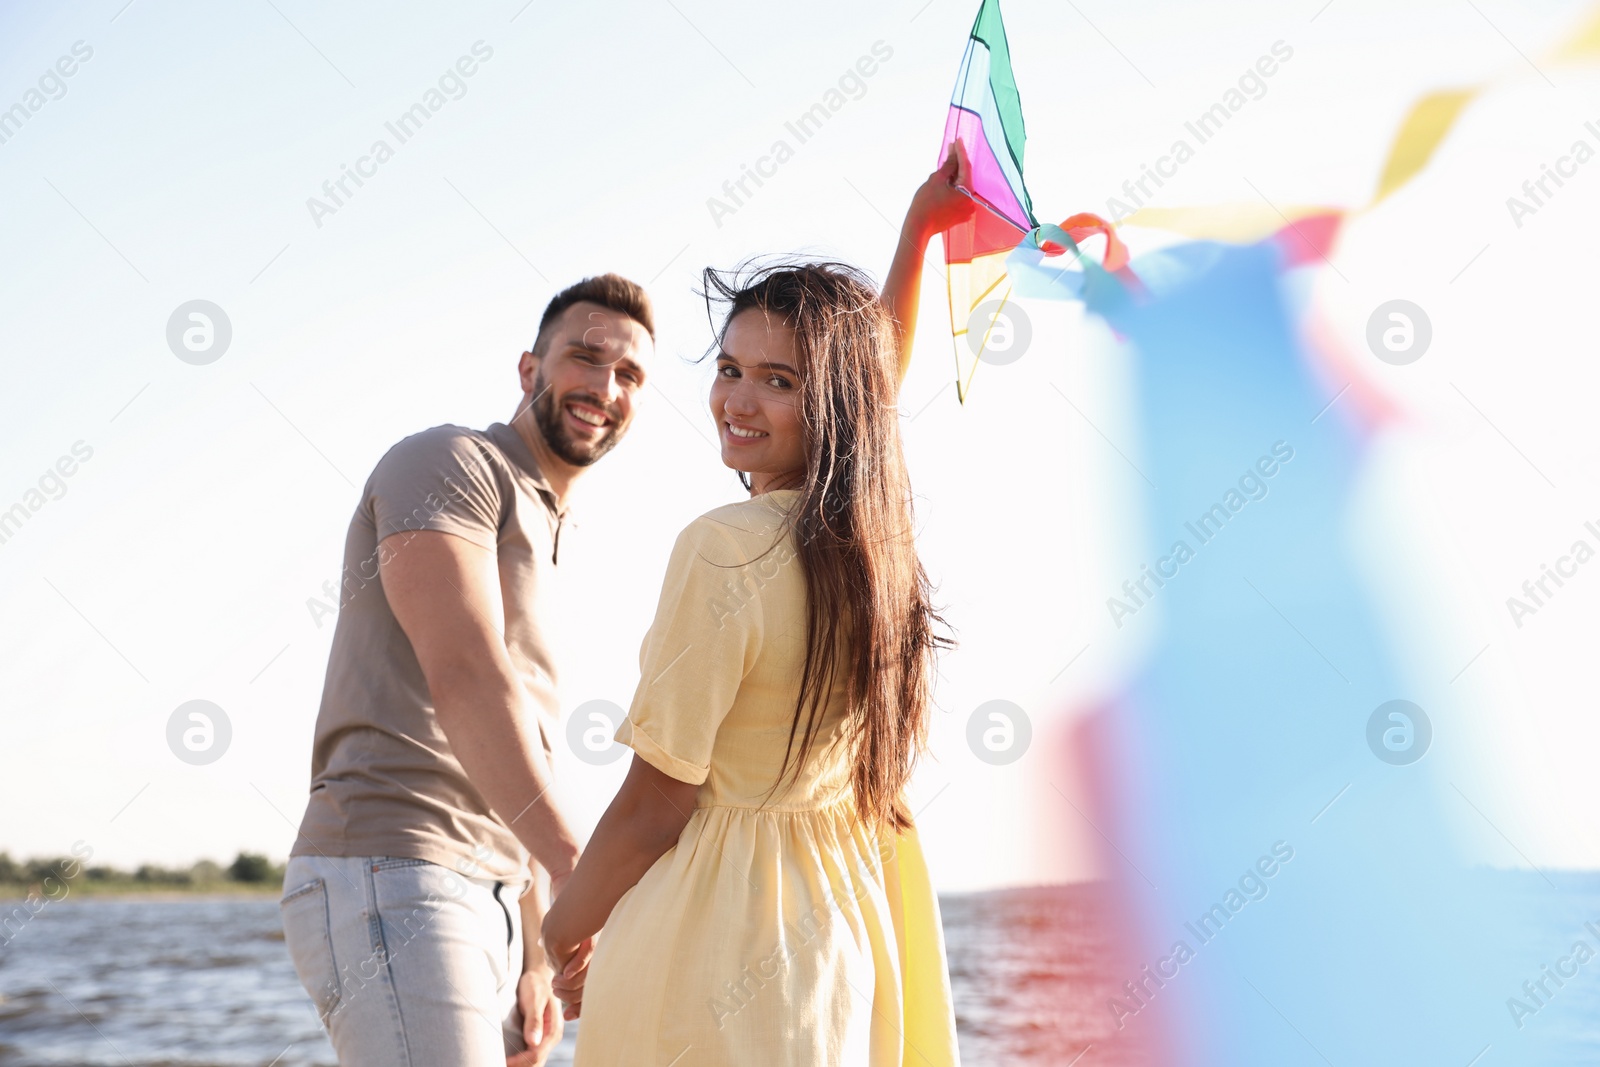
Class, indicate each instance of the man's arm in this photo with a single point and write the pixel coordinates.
(936, 206)
(445, 593)
(533, 905)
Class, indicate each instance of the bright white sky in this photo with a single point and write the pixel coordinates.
(177, 166)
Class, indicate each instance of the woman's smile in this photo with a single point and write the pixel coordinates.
(739, 434)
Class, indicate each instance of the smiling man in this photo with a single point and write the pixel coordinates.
(418, 863)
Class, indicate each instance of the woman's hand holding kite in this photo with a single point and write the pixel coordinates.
(940, 203)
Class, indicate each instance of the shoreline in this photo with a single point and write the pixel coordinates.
(14, 895)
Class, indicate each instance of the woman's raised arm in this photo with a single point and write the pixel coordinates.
(937, 205)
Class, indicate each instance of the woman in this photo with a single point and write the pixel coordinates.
(763, 893)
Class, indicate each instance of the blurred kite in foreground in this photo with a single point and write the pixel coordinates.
(1004, 252)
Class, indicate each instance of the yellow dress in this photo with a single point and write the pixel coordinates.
(776, 934)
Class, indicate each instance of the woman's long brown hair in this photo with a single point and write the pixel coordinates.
(870, 624)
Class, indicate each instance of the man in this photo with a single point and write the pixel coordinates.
(416, 872)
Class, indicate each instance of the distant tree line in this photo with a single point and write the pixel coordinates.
(247, 867)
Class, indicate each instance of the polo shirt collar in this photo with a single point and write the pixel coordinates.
(517, 451)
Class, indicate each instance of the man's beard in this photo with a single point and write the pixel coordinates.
(547, 415)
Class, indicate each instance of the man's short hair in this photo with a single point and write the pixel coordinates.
(612, 292)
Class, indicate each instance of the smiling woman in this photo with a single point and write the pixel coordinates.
(755, 401)
(833, 657)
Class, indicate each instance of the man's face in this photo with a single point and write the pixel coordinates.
(583, 384)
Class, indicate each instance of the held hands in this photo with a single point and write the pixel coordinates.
(568, 985)
(643, 822)
(569, 960)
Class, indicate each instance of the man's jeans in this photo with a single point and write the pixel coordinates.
(408, 963)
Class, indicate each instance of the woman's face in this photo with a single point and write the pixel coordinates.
(755, 401)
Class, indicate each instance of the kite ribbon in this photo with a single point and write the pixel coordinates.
(1080, 228)
(1425, 127)
(1032, 273)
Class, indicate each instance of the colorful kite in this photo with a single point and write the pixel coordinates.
(986, 123)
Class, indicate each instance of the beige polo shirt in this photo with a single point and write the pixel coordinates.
(383, 779)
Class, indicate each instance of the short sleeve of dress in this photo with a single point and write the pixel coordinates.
(439, 479)
(704, 640)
